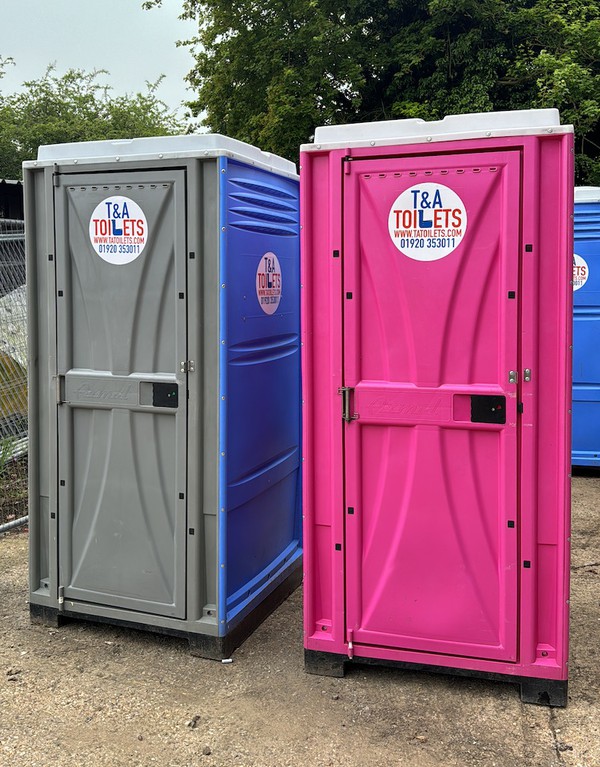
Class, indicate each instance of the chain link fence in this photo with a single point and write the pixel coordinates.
(13, 376)
(13, 340)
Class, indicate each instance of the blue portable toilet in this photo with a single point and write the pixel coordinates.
(164, 312)
(586, 328)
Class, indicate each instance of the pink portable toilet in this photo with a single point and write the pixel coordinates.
(437, 259)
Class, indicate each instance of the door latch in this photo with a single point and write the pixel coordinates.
(347, 414)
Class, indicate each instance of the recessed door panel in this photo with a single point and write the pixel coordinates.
(121, 322)
(431, 249)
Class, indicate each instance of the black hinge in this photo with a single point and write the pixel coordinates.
(519, 407)
(347, 414)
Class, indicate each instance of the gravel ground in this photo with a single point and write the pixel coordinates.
(94, 695)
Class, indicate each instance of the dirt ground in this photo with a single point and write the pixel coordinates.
(94, 695)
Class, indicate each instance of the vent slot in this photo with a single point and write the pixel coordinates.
(266, 189)
(263, 202)
(262, 215)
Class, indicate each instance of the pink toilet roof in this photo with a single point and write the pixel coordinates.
(452, 128)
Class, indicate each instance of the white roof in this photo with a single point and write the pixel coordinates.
(452, 128)
(587, 194)
(159, 148)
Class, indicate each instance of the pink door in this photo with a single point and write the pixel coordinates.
(431, 314)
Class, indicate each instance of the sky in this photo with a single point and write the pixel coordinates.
(118, 35)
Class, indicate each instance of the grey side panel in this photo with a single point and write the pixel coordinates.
(41, 369)
(122, 420)
(203, 324)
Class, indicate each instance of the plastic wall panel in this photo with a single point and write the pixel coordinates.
(586, 335)
(261, 380)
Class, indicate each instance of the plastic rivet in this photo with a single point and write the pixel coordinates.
(160, 156)
(223, 228)
(428, 138)
(222, 170)
(488, 133)
(223, 285)
(222, 453)
(372, 143)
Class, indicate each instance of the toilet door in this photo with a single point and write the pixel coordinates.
(430, 400)
(122, 391)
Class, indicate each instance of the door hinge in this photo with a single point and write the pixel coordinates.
(513, 376)
(187, 366)
(350, 644)
(61, 598)
(60, 390)
(527, 375)
(347, 414)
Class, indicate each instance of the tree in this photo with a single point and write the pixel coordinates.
(74, 107)
(269, 72)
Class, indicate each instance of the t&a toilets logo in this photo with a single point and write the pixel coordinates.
(427, 221)
(118, 230)
(268, 283)
(581, 272)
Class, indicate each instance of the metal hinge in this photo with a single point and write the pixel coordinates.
(527, 375)
(188, 366)
(347, 414)
(61, 597)
(60, 390)
(513, 376)
(350, 644)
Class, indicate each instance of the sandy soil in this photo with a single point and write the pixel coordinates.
(94, 695)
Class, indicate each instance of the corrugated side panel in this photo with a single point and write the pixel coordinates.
(262, 381)
(586, 336)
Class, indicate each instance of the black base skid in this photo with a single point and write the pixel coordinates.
(543, 692)
(201, 645)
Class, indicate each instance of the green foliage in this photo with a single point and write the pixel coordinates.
(269, 72)
(74, 107)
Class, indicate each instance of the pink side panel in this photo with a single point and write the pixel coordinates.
(321, 376)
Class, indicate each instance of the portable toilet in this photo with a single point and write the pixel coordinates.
(586, 328)
(164, 459)
(436, 325)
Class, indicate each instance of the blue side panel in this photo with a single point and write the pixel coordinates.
(586, 339)
(262, 277)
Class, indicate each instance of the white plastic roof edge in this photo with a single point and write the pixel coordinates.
(160, 148)
(587, 194)
(524, 122)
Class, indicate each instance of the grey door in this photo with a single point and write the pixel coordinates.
(121, 337)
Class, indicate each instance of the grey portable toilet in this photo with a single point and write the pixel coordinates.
(164, 424)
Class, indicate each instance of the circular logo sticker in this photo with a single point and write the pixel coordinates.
(268, 283)
(427, 222)
(118, 230)
(581, 272)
